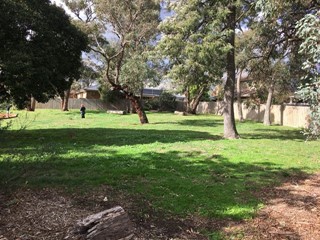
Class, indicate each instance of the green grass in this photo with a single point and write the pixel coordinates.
(179, 164)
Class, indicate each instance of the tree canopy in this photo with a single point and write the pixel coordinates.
(40, 51)
(119, 32)
(193, 46)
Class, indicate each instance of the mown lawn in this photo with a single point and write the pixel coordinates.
(181, 165)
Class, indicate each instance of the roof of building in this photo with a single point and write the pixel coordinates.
(151, 92)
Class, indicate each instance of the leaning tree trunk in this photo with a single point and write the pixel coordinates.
(136, 103)
(266, 118)
(65, 100)
(239, 97)
(230, 130)
(192, 106)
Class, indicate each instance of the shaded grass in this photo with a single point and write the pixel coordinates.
(180, 164)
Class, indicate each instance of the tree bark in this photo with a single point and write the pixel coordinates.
(266, 117)
(136, 103)
(65, 101)
(31, 105)
(239, 97)
(193, 104)
(111, 224)
(230, 130)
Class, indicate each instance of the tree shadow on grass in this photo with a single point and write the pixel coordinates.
(73, 137)
(281, 134)
(195, 122)
(179, 186)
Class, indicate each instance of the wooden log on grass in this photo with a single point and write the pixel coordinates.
(111, 224)
(180, 113)
(116, 112)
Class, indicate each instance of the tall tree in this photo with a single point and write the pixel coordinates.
(308, 29)
(40, 51)
(272, 42)
(230, 130)
(193, 49)
(118, 30)
(208, 28)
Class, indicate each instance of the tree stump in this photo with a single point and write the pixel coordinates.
(111, 224)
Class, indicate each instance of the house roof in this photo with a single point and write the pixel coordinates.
(151, 92)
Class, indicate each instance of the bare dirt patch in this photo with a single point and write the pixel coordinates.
(291, 212)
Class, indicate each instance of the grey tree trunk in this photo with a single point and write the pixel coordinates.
(240, 114)
(230, 130)
(266, 117)
(65, 101)
(31, 105)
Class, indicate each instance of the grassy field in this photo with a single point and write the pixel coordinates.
(181, 165)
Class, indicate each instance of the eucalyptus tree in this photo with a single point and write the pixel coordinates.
(118, 31)
(264, 63)
(308, 29)
(273, 43)
(199, 40)
(40, 51)
(192, 47)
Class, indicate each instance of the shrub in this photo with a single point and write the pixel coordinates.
(167, 102)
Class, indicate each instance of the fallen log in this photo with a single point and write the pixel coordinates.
(180, 113)
(116, 112)
(111, 224)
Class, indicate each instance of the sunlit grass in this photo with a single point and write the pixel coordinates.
(179, 164)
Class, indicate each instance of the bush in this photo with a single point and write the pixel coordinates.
(167, 102)
(152, 104)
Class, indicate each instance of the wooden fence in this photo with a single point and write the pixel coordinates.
(286, 115)
(90, 104)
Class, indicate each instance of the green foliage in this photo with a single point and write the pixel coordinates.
(193, 44)
(119, 33)
(151, 104)
(111, 96)
(137, 72)
(269, 49)
(308, 30)
(167, 102)
(40, 51)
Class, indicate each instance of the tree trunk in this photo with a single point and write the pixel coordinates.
(239, 96)
(113, 224)
(193, 104)
(136, 103)
(31, 105)
(266, 118)
(230, 130)
(65, 106)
